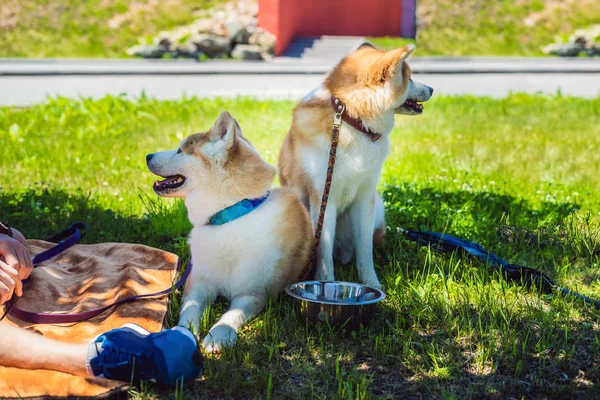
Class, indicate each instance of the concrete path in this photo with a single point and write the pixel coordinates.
(26, 82)
(287, 65)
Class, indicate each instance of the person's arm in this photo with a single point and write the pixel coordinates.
(18, 236)
(18, 347)
(15, 264)
(23, 349)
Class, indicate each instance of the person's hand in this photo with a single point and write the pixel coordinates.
(15, 266)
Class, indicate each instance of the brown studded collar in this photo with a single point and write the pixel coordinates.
(356, 123)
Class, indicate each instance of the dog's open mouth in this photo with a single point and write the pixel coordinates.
(413, 106)
(170, 182)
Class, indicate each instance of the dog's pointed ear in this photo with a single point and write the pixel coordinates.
(402, 54)
(365, 45)
(409, 48)
(225, 129)
(391, 62)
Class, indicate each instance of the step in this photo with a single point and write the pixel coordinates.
(326, 48)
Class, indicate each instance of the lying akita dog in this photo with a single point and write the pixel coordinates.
(367, 88)
(247, 242)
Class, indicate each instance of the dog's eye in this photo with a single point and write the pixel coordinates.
(179, 151)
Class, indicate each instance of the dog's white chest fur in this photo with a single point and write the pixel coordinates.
(354, 209)
(244, 260)
(357, 166)
(247, 258)
(224, 260)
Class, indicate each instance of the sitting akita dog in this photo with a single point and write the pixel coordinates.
(248, 241)
(367, 88)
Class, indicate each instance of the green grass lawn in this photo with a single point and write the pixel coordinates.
(87, 28)
(495, 28)
(519, 176)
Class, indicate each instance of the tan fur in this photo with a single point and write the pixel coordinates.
(244, 259)
(249, 174)
(374, 85)
(194, 142)
(366, 69)
(296, 224)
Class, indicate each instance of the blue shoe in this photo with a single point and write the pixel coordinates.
(132, 353)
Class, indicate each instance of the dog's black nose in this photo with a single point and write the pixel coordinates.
(149, 157)
(430, 91)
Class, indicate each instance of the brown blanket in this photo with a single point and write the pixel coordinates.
(82, 278)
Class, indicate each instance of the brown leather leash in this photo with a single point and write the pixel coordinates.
(340, 115)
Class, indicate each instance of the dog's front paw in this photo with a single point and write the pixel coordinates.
(324, 272)
(219, 337)
(323, 276)
(372, 282)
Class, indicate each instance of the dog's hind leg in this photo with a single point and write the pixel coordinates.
(362, 218)
(224, 332)
(196, 298)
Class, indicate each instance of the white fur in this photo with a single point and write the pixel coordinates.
(225, 264)
(418, 91)
(352, 196)
(242, 260)
(354, 208)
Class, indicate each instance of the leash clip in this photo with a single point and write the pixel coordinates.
(339, 109)
(337, 119)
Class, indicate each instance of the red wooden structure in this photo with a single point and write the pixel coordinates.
(289, 18)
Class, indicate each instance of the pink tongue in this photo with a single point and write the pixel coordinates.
(168, 180)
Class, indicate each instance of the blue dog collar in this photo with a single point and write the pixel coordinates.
(237, 210)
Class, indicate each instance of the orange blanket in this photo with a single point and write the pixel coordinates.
(82, 278)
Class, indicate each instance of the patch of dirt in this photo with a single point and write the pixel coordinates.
(9, 14)
(135, 9)
(19, 14)
(106, 3)
(542, 237)
(446, 10)
(425, 14)
(550, 9)
(131, 13)
(431, 11)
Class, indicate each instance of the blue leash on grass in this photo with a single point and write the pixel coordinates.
(511, 272)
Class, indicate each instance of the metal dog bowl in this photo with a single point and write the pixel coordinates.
(336, 303)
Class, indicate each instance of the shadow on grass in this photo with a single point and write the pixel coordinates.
(448, 329)
(43, 210)
(510, 227)
(284, 356)
(432, 339)
(537, 349)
